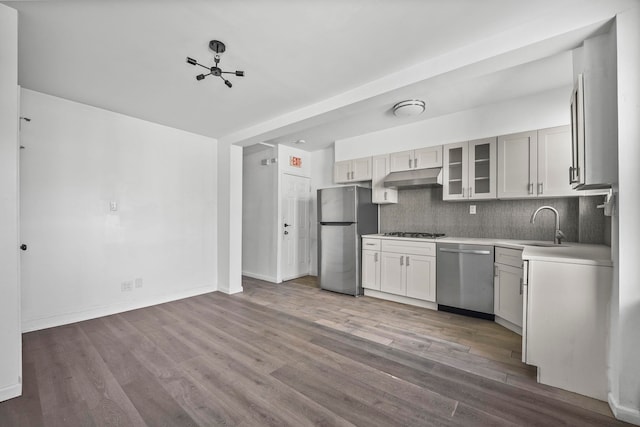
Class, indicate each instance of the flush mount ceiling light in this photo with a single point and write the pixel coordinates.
(218, 47)
(409, 108)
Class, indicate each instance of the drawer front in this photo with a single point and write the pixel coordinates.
(409, 247)
(512, 257)
(371, 244)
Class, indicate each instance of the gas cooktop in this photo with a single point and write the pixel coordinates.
(414, 235)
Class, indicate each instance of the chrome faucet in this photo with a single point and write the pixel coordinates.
(559, 235)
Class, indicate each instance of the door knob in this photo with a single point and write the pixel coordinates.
(286, 232)
(286, 225)
(23, 247)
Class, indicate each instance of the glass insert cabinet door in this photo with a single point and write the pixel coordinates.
(456, 169)
(470, 170)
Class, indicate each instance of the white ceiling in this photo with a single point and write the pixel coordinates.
(129, 57)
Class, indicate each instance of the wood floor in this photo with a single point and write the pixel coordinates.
(286, 354)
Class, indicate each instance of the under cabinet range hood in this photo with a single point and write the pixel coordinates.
(419, 178)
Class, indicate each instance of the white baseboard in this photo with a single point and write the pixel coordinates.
(38, 323)
(11, 391)
(512, 327)
(623, 413)
(266, 278)
(399, 298)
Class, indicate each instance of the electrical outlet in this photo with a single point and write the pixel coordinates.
(138, 282)
(472, 209)
(127, 286)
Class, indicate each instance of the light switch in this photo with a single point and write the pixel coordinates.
(472, 209)
(113, 206)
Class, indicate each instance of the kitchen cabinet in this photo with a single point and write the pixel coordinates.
(508, 288)
(352, 170)
(535, 164)
(371, 263)
(408, 268)
(566, 323)
(594, 114)
(469, 170)
(381, 194)
(422, 158)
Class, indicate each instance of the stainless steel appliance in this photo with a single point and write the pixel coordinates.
(344, 215)
(464, 279)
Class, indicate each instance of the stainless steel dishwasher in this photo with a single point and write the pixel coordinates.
(464, 279)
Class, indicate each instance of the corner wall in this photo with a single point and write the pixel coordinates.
(260, 214)
(10, 338)
(624, 373)
(108, 199)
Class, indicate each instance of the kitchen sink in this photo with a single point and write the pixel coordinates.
(543, 244)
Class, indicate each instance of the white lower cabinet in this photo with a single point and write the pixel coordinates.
(408, 268)
(393, 274)
(421, 277)
(567, 310)
(371, 269)
(508, 288)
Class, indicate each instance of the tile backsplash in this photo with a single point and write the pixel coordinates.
(424, 210)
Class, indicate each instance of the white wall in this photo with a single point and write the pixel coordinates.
(546, 109)
(625, 338)
(321, 177)
(229, 218)
(10, 338)
(260, 215)
(78, 159)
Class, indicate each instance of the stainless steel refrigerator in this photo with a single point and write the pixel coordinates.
(344, 215)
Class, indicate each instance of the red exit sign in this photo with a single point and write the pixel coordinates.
(296, 162)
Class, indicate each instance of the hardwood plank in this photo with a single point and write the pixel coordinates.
(288, 354)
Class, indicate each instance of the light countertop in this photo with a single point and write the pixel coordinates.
(570, 252)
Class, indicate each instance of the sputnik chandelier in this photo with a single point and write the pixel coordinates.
(218, 47)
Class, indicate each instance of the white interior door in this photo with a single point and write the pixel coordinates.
(294, 227)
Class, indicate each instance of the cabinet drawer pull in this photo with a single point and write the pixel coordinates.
(370, 244)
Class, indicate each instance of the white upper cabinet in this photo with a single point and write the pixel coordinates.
(470, 170)
(517, 171)
(422, 158)
(594, 114)
(381, 194)
(554, 160)
(352, 170)
(535, 164)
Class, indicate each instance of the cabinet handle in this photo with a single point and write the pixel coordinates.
(375, 259)
(530, 186)
(521, 285)
(463, 192)
(385, 195)
(540, 188)
(370, 244)
(415, 162)
(408, 262)
(571, 175)
(409, 163)
(495, 271)
(401, 260)
(470, 192)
